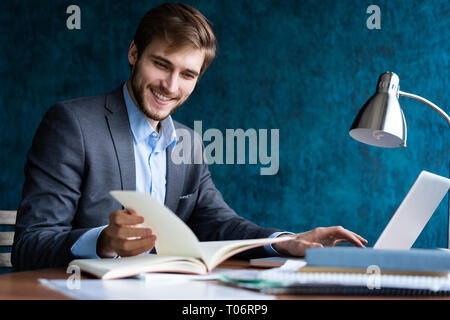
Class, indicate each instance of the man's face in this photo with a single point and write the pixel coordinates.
(161, 80)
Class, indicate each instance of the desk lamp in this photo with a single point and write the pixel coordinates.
(381, 122)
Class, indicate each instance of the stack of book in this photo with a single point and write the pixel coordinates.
(351, 270)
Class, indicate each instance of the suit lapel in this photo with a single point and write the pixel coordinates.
(174, 182)
(119, 126)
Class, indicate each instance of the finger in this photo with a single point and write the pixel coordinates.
(360, 238)
(340, 232)
(125, 217)
(339, 241)
(129, 232)
(131, 211)
(134, 213)
(147, 247)
(132, 247)
(355, 234)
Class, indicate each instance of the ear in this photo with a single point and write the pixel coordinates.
(132, 54)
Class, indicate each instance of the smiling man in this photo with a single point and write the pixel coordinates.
(162, 80)
(123, 140)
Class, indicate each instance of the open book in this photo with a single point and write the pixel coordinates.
(178, 249)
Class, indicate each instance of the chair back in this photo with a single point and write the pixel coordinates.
(7, 222)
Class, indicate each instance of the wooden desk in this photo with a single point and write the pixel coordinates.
(25, 286)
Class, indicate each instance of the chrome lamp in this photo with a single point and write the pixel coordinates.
(381, 121)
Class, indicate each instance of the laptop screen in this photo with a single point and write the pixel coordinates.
(414, 212)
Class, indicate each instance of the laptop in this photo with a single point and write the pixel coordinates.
(414, 212)
(408, 221)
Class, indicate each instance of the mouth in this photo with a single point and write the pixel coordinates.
(160, 98)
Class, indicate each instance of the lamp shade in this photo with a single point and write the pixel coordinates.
(381, 122)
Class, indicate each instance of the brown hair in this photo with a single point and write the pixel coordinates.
(180, 25)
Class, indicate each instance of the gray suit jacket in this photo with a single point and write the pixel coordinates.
(82, 149)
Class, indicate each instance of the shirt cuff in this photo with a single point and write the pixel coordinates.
(270, 250)
(86, 245)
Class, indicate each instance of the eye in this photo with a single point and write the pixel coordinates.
(160, 65)
(188, 76)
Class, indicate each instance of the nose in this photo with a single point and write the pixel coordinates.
(171, 83)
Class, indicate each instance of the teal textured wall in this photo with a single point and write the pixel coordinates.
(303, 67)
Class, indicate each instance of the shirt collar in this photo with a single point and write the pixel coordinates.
(142, 129)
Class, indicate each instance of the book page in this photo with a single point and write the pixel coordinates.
(125, 267)
(173, 236)
(217, 251)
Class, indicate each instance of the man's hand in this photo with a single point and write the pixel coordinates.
(123, 236)
(318, 238)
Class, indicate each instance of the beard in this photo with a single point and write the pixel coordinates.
(139, 89)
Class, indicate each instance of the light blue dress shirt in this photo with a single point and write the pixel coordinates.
(150, 156)
(150, 150)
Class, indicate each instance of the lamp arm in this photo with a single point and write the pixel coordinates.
(427, 102)
(446, 117)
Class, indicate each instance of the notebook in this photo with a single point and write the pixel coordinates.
(353, 284)
(282, 281)
(408, 221)
(413, 261)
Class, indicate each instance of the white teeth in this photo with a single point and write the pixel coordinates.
(160, 97)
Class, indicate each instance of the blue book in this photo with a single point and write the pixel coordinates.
(423, 260)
